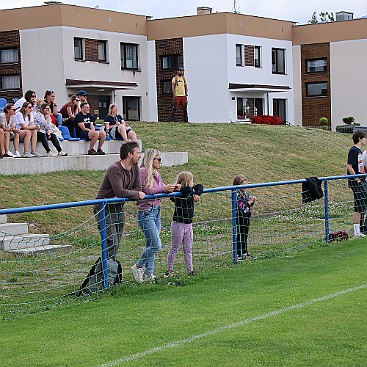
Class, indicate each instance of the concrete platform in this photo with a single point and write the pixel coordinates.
(13, 229)
(3, 219)
(41, 249)
(21, 166)
(14, 243)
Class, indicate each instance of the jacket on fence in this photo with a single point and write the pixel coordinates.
(311, 190)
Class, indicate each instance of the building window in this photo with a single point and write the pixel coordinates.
(278, 60)
(9, 56)
(102, 51)
(279, 109)
(131, 108)
(129, 56)
(78, 49)
(316, 89)
(316, 65)
(166, 86)
(9, 82)
(257, 56)
(169, 62)
(239, 55)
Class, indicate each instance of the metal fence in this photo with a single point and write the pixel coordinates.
(280, 223)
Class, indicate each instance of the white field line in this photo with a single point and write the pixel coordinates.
(217, 330)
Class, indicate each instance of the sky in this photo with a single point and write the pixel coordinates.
(299, 11)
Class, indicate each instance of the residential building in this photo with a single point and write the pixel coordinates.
(237, 66)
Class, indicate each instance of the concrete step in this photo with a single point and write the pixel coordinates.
(14, 243)
(39, 249)
(3, 219)
(20, 166)
(80, 147)
(13, 228)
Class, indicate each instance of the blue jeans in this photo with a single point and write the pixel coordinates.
(150, 223)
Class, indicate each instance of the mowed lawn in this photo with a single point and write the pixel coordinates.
(305, 308)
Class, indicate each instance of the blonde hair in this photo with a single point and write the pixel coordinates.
(110, 108)
(147, 163)
(238, 180)
(184, 178)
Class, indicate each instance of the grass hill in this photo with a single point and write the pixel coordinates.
(217, 152)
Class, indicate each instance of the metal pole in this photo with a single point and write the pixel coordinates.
(234, 226)
(102, 226)
(326, 211)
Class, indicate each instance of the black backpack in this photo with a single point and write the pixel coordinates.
(94, 280)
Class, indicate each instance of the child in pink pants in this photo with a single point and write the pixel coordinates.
(181, 226)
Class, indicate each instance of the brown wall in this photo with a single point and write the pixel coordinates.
(315, 107)
(167, 47)
(11, 39)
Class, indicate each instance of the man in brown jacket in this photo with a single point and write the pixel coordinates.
(121, 180)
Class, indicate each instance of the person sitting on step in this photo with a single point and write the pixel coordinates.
(84, 126)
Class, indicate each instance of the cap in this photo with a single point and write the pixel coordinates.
(82, 93)
(181, 69)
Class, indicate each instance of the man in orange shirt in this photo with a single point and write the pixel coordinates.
(180, 92)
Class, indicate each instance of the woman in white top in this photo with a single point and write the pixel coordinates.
(7, 124)
(25, 122)
(43, 120)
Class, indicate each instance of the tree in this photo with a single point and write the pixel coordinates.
(323, 17)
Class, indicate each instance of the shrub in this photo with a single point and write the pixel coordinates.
(323, 121)
(348, 120)
(265, 120)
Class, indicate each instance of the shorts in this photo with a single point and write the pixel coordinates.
(360, 196)
(114, 133)
(83, 135)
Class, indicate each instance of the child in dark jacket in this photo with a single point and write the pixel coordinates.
(181, 226)
(244, 204)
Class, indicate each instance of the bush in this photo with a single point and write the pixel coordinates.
(323, 121)
(265, 120)
(348, 120)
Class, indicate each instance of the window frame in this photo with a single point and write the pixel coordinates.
(6, 76)
(275, 53)
(80, 57)
(15, 52)
(102, 43)
(172, 60)
(308, 84)
(280, 103)
(125, 101)
(168, 82)
(325, 67)
(123, 55)
(257, 60)
(241, 55)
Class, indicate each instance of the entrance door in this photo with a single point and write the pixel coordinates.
(103, 104)
(131, 108)
(279, 109)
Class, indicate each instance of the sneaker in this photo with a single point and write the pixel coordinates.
(359, 235)
(247, 256)
(62, 153)
(191, 273)
(35, 154)
(6, 155)
(137, 274)
(149, 278)
(27, 155)
(239, 258)
(51, 154)
(17, 155)
(92, 152)
(101, 152)
(9, 154)
(169, 273)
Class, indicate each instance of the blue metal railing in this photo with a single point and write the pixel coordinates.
(103, 202)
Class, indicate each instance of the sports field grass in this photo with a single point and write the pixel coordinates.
(305, 308)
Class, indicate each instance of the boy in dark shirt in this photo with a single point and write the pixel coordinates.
(357, 184)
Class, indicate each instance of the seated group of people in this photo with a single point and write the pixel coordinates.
(30, 120)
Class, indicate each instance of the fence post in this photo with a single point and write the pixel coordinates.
(102, 230)
(234, 226)
(326, 211)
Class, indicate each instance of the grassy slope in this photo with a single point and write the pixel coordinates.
(327, 333)
(216, 153)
